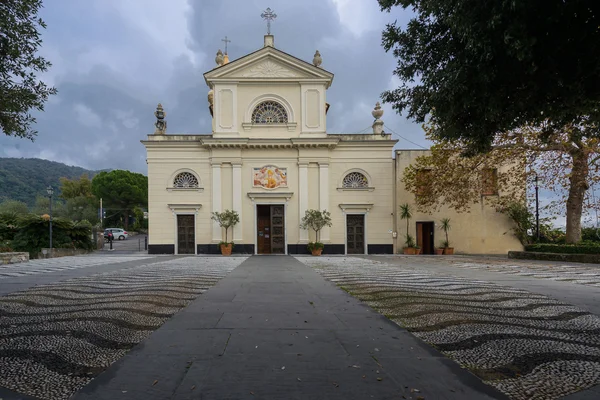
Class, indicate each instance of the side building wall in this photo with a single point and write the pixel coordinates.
(483, 230)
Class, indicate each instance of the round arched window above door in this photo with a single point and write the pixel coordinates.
(269, 112)
(355, 180)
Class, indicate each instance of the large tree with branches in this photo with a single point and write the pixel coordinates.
(20, 89)
(566, 162)
(493, 66)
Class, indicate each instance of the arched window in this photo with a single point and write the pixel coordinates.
(355, 180)
(269, 112)
(185, 180)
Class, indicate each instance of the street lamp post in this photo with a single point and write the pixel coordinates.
(537, 210)
(50, 192)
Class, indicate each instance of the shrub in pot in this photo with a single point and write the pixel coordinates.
(410, 248)
(226, 219)
(315, 248)
(445, 226)
(406, 213)
(316, 220)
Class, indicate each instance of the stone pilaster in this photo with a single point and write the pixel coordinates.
(324, 196)
(302, 197)
(216, 200)
(237, 201)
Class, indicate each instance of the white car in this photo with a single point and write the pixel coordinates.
(118, 233)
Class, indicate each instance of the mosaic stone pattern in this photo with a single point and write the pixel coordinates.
(55, 338)
(44, 266)
(528, 346)
(575, 273)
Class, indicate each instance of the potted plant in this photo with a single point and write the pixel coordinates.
(417, 249)
(316, 220)
(226, 219)
(406, 213)
(445, 226)
(439, 250)
(410, 245)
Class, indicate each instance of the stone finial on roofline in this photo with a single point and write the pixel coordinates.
(161, 124)
(378, 123)
(219, 58)
(317, 60)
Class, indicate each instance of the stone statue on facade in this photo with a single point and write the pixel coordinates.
(377, 113)
(317, 60)
(161, 124)
(219, 58)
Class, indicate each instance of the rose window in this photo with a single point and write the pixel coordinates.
(185, 180)
(269, 112)
(355, 180)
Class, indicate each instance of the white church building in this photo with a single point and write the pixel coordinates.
(269, 157)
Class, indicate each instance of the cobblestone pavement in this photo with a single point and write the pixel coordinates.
(575, 273)
(44, 266)
(527, 345)
(55, 338)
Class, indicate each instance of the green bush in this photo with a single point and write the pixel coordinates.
(580, 248)
(33, 234)
(590, 234)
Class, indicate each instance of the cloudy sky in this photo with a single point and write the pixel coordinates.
(114, 60)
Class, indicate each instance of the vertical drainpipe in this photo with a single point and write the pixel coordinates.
(395, 196)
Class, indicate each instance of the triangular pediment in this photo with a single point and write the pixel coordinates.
(268, 63)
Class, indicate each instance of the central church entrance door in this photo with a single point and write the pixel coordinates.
(270, 221)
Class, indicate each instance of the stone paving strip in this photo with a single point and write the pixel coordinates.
(528, 346)
(575, 273)
(55, 338)
(44, 266)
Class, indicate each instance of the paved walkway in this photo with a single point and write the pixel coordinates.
(275, 329)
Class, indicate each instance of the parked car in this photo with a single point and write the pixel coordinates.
(118, 233)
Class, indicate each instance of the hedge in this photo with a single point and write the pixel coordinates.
(581, 248)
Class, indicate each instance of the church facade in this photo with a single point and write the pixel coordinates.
(269, 158)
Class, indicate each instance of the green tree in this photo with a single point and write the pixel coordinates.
(72, 188)
(493, 66)
(121, 191)
(226, 219)
(13, 206)
(81, 204)
(316, 220)
(20, 90)
(42, 207)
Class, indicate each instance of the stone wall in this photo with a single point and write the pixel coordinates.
(13, 258)
(45, 253)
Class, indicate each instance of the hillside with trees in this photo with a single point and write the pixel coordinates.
(24, 179)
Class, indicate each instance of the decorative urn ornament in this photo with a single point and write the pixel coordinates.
(317, 60)
(377, 112)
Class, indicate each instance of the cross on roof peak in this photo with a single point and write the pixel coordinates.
(226, 42)
(268, 15)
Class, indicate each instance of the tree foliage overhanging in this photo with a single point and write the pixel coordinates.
(487, 67)
(566, 163)
(20, 89)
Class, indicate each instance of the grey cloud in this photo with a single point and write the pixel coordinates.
(111, 74)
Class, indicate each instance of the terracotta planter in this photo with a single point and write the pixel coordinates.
(226, 249)
(316, 252)
(449, 251)
(439, 251)
(417, 251)
(410, 251)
